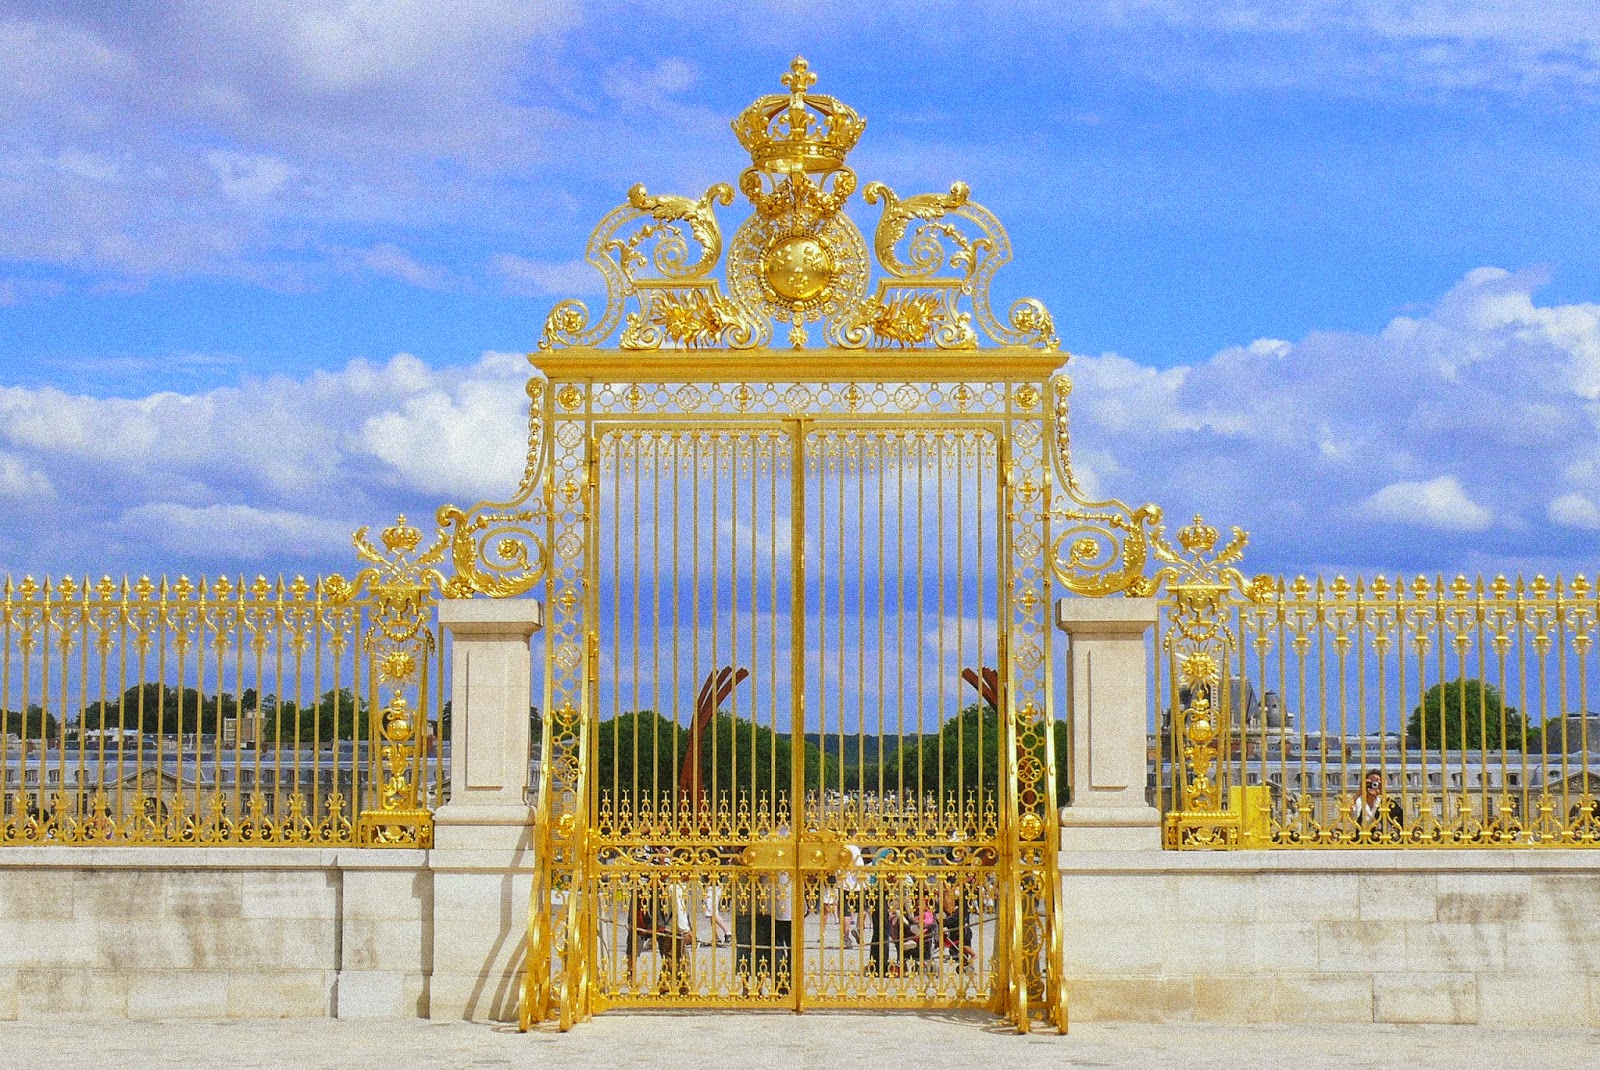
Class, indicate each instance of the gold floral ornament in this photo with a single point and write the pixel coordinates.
(1099, 548)
(798, 259)
(403, 584)
(953, 248)
(694, 318)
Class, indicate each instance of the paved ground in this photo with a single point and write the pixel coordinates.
(694, 1042)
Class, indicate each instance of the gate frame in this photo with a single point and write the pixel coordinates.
(1002, 388)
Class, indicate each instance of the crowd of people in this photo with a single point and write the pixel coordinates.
(899, 920)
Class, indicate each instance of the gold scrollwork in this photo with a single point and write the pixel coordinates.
(941, 242)
(1100, 548)
(497, 548)
(620, 255)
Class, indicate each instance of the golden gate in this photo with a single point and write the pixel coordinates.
(800, 748)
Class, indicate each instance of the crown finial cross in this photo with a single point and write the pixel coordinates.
(799, 78)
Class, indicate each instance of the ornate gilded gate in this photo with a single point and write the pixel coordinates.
(800, 748)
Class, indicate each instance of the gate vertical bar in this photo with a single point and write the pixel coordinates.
(1055, 966)
(1016, 966)
(797, 704)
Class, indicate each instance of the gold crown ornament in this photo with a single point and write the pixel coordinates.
(798, 131)
(1198, 537)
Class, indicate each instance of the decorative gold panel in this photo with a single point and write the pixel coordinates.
(798, 259)
(1375, 713)
(711, 554)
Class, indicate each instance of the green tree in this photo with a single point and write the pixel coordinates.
(965, 752)
(736, 756)
(159, 709)
(641, 748)
(961, 757)
(337, 714)
(36, 724)
(1464, 711)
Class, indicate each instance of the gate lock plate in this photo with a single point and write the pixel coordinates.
(815, 853)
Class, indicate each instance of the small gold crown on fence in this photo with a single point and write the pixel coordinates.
(400, 537)
(1198, 537)
(798, 131)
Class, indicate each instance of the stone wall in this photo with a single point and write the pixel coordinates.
(152, 932)
(1492, 937)
(1497, 937)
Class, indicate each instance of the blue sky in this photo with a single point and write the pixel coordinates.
(1329, 269)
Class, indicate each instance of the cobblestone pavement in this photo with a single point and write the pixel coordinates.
(778, 1041)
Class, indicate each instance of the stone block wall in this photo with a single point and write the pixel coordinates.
(213, 932)
(1495, 937)
(1492, 937)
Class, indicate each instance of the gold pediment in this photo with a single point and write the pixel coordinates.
(798, 262)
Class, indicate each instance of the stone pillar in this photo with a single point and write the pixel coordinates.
(1108, 695)
(482, 857)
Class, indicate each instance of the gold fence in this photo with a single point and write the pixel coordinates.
(222, 711)
(1384, 712)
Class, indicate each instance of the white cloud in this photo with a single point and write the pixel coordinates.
(241, 533)
(464, 441)
(654, 87)
(20, 482)
(1503, 46)
(213, 479)
(1435, 503)
(14, 292)
(1575, 511)
(1305, 443)
(388, 260)
(204, 114)
(249, 177)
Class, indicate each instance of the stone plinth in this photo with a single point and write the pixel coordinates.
(1109, 701)
(482, 858)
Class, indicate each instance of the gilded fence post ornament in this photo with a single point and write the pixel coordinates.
(1204, 586)
(1098, 548)
(404, 583)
